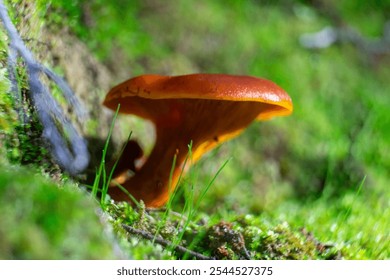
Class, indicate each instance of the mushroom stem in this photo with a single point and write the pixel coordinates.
(151, 182)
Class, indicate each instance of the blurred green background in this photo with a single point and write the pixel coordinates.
(326, 167)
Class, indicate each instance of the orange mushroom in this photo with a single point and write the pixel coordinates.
(206, 109)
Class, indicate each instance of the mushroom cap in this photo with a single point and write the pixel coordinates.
(207, 109)
(199, 86)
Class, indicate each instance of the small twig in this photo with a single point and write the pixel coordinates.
(165, 243)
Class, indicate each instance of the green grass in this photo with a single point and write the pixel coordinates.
(322, 170)
(102, 182)
(192, 201)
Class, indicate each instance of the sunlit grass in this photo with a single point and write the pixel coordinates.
(102, 182)
(103, 178)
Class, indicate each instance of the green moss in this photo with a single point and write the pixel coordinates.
(41, 220)
(356, 222)
(20, 127)
(248, 237)
(20, 130)
(284, 242)
(8, 117)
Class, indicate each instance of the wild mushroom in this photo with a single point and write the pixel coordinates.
(206, 109)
